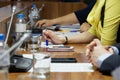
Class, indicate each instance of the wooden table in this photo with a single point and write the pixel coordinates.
(79, 54)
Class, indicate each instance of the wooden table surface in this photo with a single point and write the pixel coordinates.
(79, 54)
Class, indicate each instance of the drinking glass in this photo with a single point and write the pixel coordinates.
(4, 65)
(41, 64)
(33, 45)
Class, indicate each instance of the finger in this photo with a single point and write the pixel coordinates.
(87, 52)
(91, 45)
(49, 39)
(88, 55)
(44, 34)
(37, 23)
(43, 25)
(98, 43)
(90, 60)
(106, 47)
(111, 50)
(48, 33)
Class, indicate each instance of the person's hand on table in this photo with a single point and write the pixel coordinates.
(44, 23)
(52, 37)
(94, 50)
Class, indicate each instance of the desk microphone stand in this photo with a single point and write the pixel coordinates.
(17, 62)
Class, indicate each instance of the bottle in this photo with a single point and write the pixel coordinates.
(4, 60)
(20, 26)
(2, 37)
(34, 15)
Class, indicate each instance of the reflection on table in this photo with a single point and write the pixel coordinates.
(79, 54)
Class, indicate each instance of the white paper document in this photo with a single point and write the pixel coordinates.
(71, 67)
(67, 33)
(73, 26)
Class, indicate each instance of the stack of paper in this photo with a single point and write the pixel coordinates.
(71, 67)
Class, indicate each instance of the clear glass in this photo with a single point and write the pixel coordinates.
(26, 42)
(34, 44)
(4, 73)
(41, 64)
(4, 64)
(29, 77)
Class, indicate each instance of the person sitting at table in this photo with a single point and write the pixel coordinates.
(102, 27)
(107, 59)
(79, 16)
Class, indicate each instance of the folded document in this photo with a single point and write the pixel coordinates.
(70, 67)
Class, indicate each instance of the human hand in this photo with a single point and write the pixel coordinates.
(44, 23)
(89, 50)
(52, 37)
(95, 50)
(110, 49)
(84, 27)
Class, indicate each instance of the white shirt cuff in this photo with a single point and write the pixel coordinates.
(116, 51)
(102, 58)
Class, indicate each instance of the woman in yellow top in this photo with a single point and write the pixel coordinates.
(106, 33)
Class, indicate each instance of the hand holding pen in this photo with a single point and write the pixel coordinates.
(52, 37)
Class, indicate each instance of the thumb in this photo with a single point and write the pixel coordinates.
(44, 25)
(45, 34)
(98, 43)
(111, 50)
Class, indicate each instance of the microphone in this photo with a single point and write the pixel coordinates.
(13, 9)
(19, 42)
(18, 63)
(9, 27)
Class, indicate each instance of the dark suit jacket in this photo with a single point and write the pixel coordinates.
(111, 63)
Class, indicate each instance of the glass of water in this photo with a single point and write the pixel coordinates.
(41, 64)
(33, 45)
(4, 65)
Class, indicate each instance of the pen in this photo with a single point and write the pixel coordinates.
(46, 39)
(73, 30)
(46, 42)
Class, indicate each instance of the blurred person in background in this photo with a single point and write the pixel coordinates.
(104, 21)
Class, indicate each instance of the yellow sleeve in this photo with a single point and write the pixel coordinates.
(108, 33)
(92, 30)
(111, 22)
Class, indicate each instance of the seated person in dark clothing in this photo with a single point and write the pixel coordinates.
(79, 16)
(106, 59)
